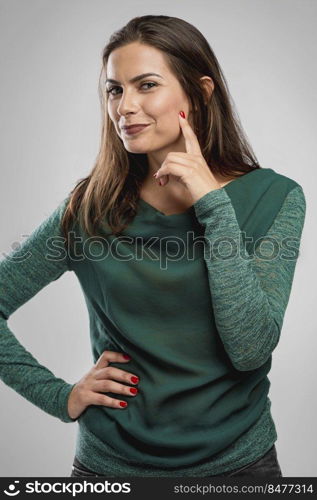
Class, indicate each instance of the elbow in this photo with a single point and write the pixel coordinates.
(258, 354)
(247, 365)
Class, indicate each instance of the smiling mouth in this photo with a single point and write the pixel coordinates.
(134, 129)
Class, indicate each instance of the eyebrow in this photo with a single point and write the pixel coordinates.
(135, 78)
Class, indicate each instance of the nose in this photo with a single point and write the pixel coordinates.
(127, 104)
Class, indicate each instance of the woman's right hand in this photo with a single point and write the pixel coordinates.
(100, 379)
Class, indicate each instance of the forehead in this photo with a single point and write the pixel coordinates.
(134, 58)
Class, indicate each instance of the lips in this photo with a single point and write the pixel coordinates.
(134, 129)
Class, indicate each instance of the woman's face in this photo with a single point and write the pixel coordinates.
(154, 100)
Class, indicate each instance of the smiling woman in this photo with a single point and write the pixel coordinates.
(156, 130)
(155, 133)
(182, 329)
(147, 79)
(158, 106)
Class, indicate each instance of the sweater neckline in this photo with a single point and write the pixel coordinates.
(152, 208)
(189, 211)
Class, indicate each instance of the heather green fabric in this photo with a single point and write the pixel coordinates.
(198, 301)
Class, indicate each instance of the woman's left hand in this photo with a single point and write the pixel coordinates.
(189, 168)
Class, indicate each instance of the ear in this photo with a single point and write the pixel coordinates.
(208, 86)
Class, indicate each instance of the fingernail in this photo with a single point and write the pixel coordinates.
(123, 404)
(135, 380)
(133, 390)
(126, 356)
(182, 114)
(161, 182)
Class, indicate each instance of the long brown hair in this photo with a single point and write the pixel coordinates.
(112, 188)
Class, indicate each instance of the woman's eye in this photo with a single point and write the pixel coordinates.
(149, 83)
(109, 91)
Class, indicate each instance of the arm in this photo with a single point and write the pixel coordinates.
(250, 294)
(23, 273)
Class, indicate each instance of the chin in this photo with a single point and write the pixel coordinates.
(134, 146)
(135, 149)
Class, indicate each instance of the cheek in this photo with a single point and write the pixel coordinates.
(168, 128)
(114, 118)
(111, 111)
(165, 112)
(167, 107)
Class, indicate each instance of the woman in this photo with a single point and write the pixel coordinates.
(182, 324)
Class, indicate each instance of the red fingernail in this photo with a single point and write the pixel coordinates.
(133, 390)
(182, 114)
(123, 404)
(135, 380)
(126, 356)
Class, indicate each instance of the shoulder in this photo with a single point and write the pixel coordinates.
(267, 177)
(278, 179)
(262, 185)
(51, 224)
(259, 196)
(282, 189)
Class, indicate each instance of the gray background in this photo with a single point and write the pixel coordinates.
(50, 123)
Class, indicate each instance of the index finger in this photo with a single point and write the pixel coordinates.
(107, 357)
(191, 141)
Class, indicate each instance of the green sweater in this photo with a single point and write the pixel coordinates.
(197, 300)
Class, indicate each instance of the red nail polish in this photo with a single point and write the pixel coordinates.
(123, 404)
(133, 390)
(135, 380)
(126, 356)
(182, 114)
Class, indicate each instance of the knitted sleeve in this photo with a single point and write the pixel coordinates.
(250, 293)
(40, 259)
